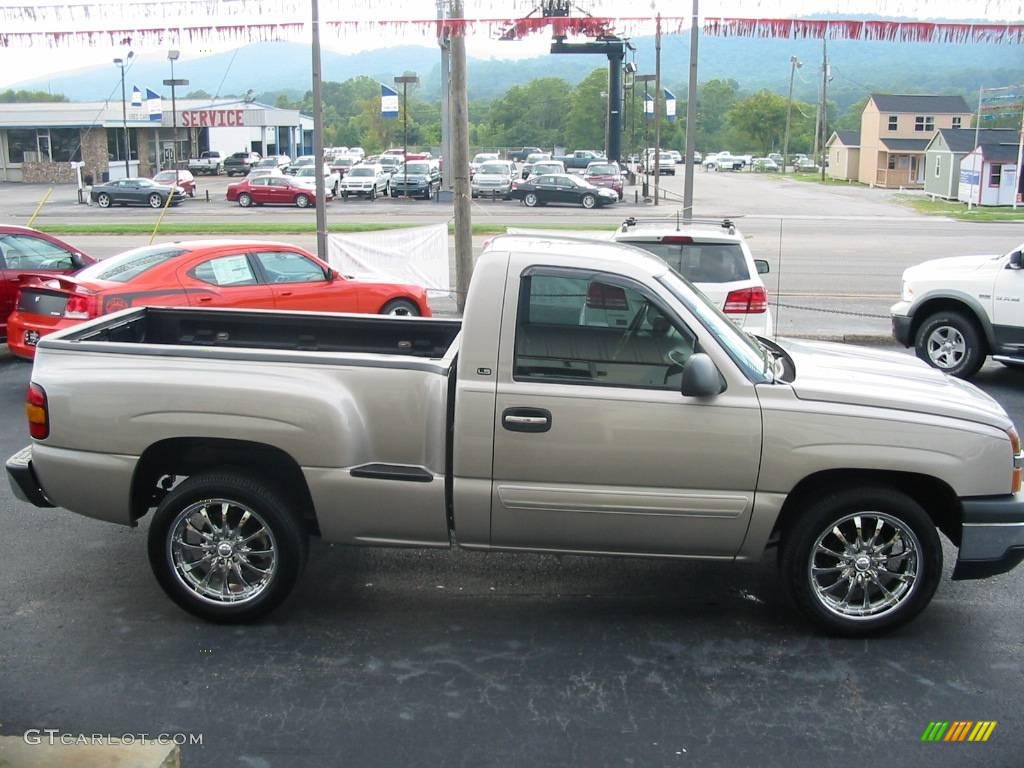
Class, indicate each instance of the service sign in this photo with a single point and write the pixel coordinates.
(213, 118)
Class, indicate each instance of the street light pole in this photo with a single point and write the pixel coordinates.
(172, 56)
(645, 79)
(124, 116)
(794, 65)
(404, 81)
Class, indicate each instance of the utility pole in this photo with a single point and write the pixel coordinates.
(318, 140)
(657, 110)
(645, 79)
(404, 81)
(172, 56)
(446, 122)
(1020, 159)
(691, 118)
(824, 101)
(794, 65)
(124, 116)
(460, 161)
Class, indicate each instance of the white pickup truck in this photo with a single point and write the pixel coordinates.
(590, 401)
(957, 311)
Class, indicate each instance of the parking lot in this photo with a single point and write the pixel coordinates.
(408, 658)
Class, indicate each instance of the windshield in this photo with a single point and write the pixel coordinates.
(361, 172)
(498, 169)
(602, 170)
(306, 171)
(389, 160)
(482, 158)
(536, 158)
(304, 161)
(415, 168)
(130, 264)
(742, 348)
(701, 262)
(166, 176)
(540, 168)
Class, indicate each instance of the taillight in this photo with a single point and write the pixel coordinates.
(81, 307)
(746, 301)
(37, 413)
(1016, 459)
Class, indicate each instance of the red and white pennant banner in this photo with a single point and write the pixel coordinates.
(157, 34)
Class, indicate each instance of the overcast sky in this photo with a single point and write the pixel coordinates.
(19, 64)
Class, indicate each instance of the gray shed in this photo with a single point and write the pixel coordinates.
(946, 151)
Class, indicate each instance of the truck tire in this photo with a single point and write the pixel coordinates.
(402, 307)
(861, 561)
(950, 341)
(247, 532)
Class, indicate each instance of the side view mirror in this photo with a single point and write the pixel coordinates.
(331, 275)
(763, 267)
(1016, 260)
(700, 377)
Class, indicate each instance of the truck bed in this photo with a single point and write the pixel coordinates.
(212, 329)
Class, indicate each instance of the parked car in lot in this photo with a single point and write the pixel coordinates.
(493, 179)
(806, 164)
(562, 189)
(532, 159)
(306, 175)
(603, 174)
(209, 163)
(520, 155)
(280, 162)
(715, 257)
(677, 157)
(202, 273)
(343, 165)
(544, 167)
(305, 161)
(240, 163)
(135, 192)
(957, 311)
(183, 179)
(723, 161)
(689, 438)
(367, 181)
(276, 189)
(479, 159)
(389, 163)
(416, 178)
(764, 165)
(25, 252)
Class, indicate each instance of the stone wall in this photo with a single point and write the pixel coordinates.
(94, 153)
(48, 173)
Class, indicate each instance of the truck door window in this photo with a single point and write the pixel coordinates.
(587, 331)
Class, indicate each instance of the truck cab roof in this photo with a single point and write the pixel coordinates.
(596, 255)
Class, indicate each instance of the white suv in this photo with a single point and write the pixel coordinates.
(957, 311)
(713, 256)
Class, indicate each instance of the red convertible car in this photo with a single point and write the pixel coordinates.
(25, 252)
(273, 190)
(207, 273)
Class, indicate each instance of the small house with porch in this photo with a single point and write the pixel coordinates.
(894, 131)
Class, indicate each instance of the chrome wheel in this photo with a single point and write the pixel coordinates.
(946, 347)
(103, 201)
(222, 551)
(155, 201)
(865, 565)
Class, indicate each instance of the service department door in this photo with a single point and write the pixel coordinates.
(595, 449)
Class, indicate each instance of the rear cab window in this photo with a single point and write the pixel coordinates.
(700, 262)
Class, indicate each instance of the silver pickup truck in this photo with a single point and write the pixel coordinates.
(590, 401)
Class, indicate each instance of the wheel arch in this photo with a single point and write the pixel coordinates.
(184, 456)
(935, 496)
(953, 302)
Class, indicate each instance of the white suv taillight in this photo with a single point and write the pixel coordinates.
(746, 301)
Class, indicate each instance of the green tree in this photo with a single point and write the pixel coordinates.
(850, 120)
(13, 97)
(585, 122)
(200, 94)
(714, 100)
(530, 115)
(760, 118)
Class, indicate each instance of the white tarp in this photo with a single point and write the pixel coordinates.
(416, 255)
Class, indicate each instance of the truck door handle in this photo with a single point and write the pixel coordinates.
(526, 419)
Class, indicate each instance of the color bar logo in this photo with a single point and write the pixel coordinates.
(959, 730)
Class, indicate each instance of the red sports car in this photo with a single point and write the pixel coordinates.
(206, 273)
(274, 190)
(24, 252)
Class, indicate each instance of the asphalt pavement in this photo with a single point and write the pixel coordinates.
(434, 658)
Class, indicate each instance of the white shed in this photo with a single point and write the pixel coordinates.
(988, 175)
